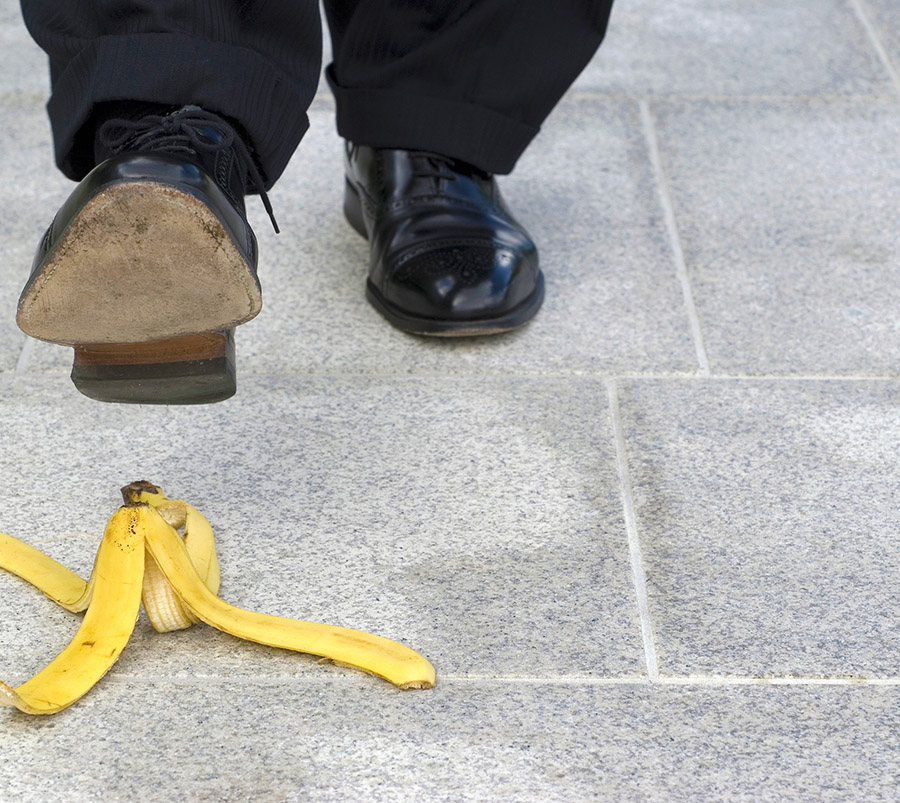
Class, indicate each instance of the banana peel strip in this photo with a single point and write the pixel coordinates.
(142, 558)
(115, 600)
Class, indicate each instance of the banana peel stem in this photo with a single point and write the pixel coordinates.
(141, 555)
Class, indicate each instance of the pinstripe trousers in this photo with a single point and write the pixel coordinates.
(472, 79)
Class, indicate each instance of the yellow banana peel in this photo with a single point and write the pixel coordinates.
(143, 558)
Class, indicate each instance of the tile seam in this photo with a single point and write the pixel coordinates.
(682, 680)
(875, 42)
(687, 681)
(788, 680)
(665, 198)
(574, 375)
(24, 356)
(639, 577)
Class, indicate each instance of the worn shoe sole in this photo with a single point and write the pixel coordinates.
(141, 261)
(146, 284)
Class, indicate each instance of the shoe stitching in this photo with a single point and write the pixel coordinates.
(446, 242)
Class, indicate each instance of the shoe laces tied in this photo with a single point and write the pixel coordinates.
(181, 131)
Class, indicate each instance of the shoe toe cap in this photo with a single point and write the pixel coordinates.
(461, 281)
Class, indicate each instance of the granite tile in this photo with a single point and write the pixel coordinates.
(727, 47)
(480, 521)
(30, 187)
(25, 66)
(767, 515)
(48, 358)
(885, 18)
(353, 739)
(613, 299)
(787, 215)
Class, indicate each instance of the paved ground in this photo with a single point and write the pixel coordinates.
(650, 543)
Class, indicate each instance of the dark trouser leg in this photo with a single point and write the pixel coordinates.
(471, 79)
(256, 63)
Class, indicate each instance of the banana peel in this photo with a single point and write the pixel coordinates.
(161, 552)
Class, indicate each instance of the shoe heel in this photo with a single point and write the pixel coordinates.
(193, 369)
(353, 210)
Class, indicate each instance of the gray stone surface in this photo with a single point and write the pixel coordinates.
(730, 47)
(466, 497)
(613, 299)
(787, 214)
(25, 67)
(885, 18)
(478, 521)
(30, 188)
(359, 739)
(767, 514)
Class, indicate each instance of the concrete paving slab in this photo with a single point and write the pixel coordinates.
(727, 47)
(767, 515)
(360, 739)
(787, 215)
(478, 521)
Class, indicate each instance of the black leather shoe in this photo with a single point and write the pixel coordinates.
(447, 257)
(150, 263)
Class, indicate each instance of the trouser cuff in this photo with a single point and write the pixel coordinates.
(178, 69)
(384, 118)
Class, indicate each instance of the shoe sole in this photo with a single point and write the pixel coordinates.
(141, 261)
(195, 369)
(147, 285)
(512, 319)
(515, 318)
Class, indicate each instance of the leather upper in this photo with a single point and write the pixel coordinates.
(443, 243)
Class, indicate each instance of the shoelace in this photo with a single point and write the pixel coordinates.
(179, 130)
(427, 164)
(434, 165)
